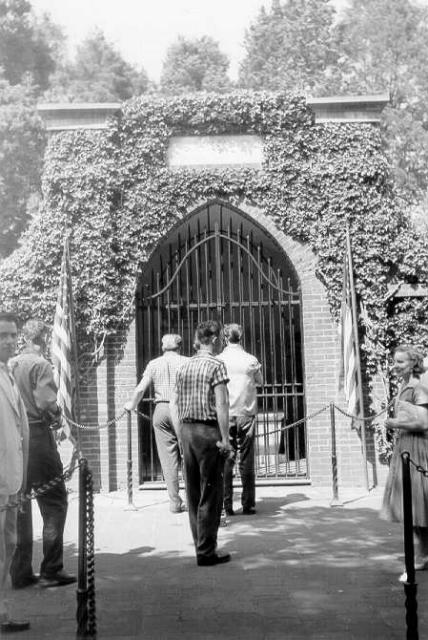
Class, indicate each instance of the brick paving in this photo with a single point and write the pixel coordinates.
(300, 569)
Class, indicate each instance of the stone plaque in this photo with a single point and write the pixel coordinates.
(205, 152)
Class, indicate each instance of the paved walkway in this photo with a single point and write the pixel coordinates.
(300, 569)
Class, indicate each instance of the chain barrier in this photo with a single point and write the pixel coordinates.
(96, 427)
(419, 468)
(116, 419)
(369, 418)
(44, 488)
(294, 424)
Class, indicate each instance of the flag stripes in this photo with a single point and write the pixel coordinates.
(62, 335)
(349, 375)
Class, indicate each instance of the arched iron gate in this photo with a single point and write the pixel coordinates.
(219, 264)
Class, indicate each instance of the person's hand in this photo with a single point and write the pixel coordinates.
(226, 449)
(128, 406)
(391, 423)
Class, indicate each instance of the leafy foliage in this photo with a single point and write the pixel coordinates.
(27, 45)
(370, 47)
(113, 191)
(22, 140)
(384, 47)
(195, 65)
(291, 47)
(98, 74)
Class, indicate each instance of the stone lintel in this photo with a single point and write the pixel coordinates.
(77, 115)
(405, 290)
(348, 108)
(86, 115)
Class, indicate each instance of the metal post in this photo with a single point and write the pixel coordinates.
(357, 356)
(82, 575)
(410, 586)
(129, 463)
(335, 502)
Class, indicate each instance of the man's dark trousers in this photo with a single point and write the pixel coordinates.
(203, 469)
(241, 436)
(44, 464)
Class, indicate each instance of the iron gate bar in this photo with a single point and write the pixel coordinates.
(205, 241)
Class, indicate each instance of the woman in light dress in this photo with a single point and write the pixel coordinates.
(411, 423)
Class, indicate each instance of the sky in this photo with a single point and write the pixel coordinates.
(142, 30)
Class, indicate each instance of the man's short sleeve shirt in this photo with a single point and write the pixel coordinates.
(244, 371)
(196, 381)
(161, 373)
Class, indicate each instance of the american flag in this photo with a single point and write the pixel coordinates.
(62, 339)
(349, 373)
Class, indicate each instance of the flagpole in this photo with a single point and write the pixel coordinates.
(357, 354)
(73, 343)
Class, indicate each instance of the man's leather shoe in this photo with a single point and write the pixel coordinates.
(250, 511)
(25, 582)
(59, 579)
(10, 626)
(210, 561)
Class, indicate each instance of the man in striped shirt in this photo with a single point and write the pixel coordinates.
(160, 374)
(200, 409)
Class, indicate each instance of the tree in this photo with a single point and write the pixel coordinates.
(28, 45)
(195, 65)
(98, 74)
(291, 47)
(21, 149)
(384, 47)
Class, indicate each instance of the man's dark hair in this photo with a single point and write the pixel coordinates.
(8, 316)
(233, 332)
(206, 330)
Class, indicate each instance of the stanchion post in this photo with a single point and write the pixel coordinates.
(335, 502)
(410, 586)
(131, 505)
(82, 574)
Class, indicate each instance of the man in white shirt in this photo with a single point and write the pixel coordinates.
(244, 372)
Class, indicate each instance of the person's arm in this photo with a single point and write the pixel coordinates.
(25, 444)
(44, 389)
(258, 378)
(138, 393)
(222, 410)
(410, 417)
(173, 407)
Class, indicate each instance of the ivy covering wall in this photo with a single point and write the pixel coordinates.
(113, 192)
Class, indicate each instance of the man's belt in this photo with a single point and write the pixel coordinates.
(53, 425)
(210, 423)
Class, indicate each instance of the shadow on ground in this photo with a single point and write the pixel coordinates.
(298, 571)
